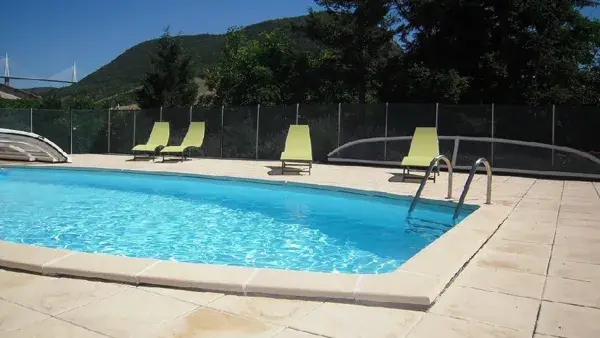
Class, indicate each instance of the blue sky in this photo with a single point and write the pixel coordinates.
(46, 37)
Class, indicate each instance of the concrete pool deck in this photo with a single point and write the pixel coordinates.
(529, 263)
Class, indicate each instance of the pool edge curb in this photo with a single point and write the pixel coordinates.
(416, 284)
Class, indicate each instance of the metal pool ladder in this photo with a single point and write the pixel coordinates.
(432, 164)
(488, 199)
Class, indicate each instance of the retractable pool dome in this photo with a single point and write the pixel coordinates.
(24, 146)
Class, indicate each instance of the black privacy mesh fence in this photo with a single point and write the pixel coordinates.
(179, 122)
(361, 122)
(577, 127)
(17, 119)
(54, 125)
(403, 118)
(465, 120)
(522, 123)
(122, 128)
(259, 132)
(323, 121)
(90, 131)
(273, 126)
(144, 121)
(213, 130)
(239, 132)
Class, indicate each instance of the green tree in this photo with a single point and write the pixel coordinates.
(520, 51)
(171, 79)
(267, 70)
(359, 34)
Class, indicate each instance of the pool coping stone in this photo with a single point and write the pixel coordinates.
(417, 282)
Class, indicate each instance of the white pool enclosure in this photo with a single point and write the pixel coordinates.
(24, 146)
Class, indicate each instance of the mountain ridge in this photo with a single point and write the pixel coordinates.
(124, 73)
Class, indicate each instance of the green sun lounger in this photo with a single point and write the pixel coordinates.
(298, 148)
(193, 139)
(159, 138)
(423, 148)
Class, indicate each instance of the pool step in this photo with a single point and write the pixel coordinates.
(425, 227)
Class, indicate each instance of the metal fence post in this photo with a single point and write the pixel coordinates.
(31, 120)
(492, 134)
(339, 128)
(222, 127)
(385, 133)
(437, 114)
(297, 111)
(160, 114)
(257, 126)
(71, 131)
(134, 118)
(191, 107)
(553, 130)
(108, 130)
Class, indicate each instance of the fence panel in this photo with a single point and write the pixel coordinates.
(17, 119)
(54, 125)
(360, 122)
(403, 118)
(273, 127)
(121, 131)
(213, 131)
(467, 120)
(179, 122)
(144, 121)
(239, 132)
(90, 130)
(523, 123)
(323, 122)
(577, 127)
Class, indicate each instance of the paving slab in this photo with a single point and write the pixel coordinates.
(352, 321)
(128, 312)
(196, 297)
(433, 326)
(57, 295)
(564, 320)
(518, 247)
(577, 253)
(511, 261)
(209, 323)
(52, 328)
(572, 291)
(291, 333)
(13, 316)
(501, 280)
(488, 307)
(578, 271)
(527, 231)
(279, 311)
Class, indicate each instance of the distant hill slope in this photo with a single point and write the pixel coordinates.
(123, 74)
(38, 90)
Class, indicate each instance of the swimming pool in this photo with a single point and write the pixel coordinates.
(215, 221)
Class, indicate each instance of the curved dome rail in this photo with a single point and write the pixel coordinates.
(21, 145)
(457, 140)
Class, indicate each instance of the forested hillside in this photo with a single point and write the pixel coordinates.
(124, 73)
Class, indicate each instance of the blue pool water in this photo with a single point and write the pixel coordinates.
(202, 220)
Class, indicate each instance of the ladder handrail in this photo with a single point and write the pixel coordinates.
(463, 195)
(432, 164)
